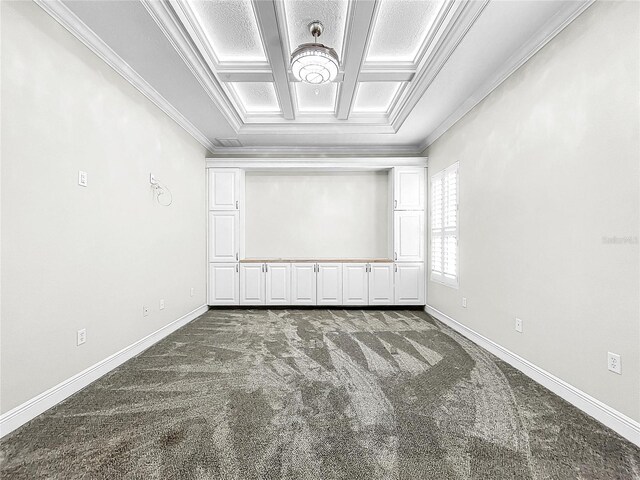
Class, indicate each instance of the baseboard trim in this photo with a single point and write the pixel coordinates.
(620, 423)
(30, 409)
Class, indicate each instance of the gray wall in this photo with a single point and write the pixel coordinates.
(75, 257)
(317, 215)
(549, 168)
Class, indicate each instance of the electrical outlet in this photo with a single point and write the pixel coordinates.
(83, 178)
(82, 336)
(192, 291)
(145, 311)
(464, 302)
(518, 325)
(613, 363)
(162, 304)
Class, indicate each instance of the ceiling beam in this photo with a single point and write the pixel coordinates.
(268, 25)
(244, 76)
(358, 33)
(386, 76)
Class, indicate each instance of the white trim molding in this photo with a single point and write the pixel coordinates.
(310, 163)
(65, 17)
(615, 420)
(553, 27)
(30, 409)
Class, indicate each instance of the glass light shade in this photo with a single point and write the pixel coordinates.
(314, 63)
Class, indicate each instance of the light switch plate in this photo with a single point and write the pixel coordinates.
(83, 178)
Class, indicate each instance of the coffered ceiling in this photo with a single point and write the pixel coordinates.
(408, 68)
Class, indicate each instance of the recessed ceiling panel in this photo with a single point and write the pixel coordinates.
(375, 97)
(401, 27)
(316, 98)
(331, 13)
(256, 97)
(231, 28)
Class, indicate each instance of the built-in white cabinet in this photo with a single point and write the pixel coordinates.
(224, 188)
(408, 188)
(223, 284)
(278, 283)
(224, 231)
(408, 236)
(380, 281)
(409, 283)
(252, 284)
(303, 283)
(329, 284)
(233, 280)
(355, 284)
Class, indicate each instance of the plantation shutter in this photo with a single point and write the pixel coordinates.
(444, 226)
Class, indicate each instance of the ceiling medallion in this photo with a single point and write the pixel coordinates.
(313, 62)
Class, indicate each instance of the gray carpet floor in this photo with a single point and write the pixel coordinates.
(316, 394)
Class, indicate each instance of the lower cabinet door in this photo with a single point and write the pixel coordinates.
(329, 291)
(252, 291)
(223, 284)
(355, 284)
(303, 284)
(278, 283)
(381, 284)
(409, 284)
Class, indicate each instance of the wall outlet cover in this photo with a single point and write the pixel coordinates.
(192, 291)
(614, 363)
(82, 336)
(464, 302)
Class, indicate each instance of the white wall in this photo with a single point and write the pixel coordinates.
(549, 168)
(317, 215)
(75, 257)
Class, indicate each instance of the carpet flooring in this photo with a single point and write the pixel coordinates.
(316, 394)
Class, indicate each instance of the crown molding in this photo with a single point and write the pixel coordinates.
(318, 163)
(318, 151)
(169, 21)
(553, 27)
(452, 27)
(65, 17)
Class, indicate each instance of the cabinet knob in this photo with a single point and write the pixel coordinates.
(236, 204)
(395, 204)
(237, 257)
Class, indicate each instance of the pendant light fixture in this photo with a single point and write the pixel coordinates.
(315, 63)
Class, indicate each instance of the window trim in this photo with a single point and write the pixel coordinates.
(440, 277)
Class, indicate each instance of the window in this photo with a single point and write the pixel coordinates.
(444, 226)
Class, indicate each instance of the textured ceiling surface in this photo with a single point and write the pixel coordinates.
(332, 14)
(409, 69)
(400, 29)
(375, 97)
(231, 28)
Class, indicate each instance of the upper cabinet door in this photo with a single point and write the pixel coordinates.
(408, 188)
(329, 284)
(408, 236)
(224, 188)
(223, 284)
(381, 284)
(355, 284)
(278, 283)
(409, 284)
(224, 231)
(252, 291)
(303, 284)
